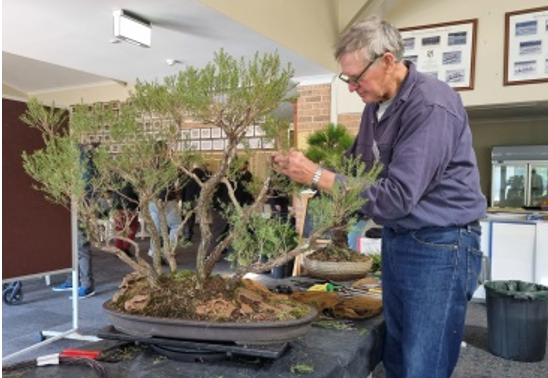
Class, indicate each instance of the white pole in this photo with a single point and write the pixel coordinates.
(75, 267)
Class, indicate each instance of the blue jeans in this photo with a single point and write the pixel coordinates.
(355, 232)
(428, 276)
(85, 262)
(173, 218)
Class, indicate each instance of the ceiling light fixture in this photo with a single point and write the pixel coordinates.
(131, 28)
(171, 62)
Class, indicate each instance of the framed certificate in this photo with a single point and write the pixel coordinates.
(268, 143)
(215, 133)
(206, 145)
(205, 133)
(259, 131)
(218, 144)
(254, 143)
(445, 51)
(526, 47)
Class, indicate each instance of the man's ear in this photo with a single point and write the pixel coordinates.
(389, 61)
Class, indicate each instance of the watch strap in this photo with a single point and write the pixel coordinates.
(316, 178)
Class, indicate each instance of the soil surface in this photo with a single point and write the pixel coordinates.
(338, 254)
(177, 297)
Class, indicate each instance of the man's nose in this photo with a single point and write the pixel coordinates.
(352, 87)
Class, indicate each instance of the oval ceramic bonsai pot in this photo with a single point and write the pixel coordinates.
(339, 270)
(241, 333)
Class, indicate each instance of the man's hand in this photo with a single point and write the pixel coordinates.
(294, 165)
(298, 168)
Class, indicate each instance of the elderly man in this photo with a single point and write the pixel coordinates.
(428, 197)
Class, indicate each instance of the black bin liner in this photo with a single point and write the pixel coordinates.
(517, 319)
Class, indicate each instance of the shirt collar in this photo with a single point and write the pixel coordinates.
(408, 83)
(405, 89)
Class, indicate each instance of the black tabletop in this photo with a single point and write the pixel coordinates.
(330, 353)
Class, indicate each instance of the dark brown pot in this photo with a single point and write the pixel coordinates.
(242, 333)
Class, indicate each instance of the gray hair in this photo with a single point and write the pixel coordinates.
(374, 36)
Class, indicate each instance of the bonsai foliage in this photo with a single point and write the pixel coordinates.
(337, 212)
(232, 94)
(327, 145)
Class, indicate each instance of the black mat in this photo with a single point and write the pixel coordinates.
(330, 353)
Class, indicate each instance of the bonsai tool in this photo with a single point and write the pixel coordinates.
(283, 289)
(343, 290)
(67, 357)
(93, 354)
(328, 286)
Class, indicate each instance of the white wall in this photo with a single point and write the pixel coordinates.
(10, 92)
(88, 95)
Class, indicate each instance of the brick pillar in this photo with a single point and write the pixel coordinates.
(351, 121)
(313, 109)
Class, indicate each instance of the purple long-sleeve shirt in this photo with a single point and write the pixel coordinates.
(430, 176)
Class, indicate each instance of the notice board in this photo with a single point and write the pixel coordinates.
(36, 234)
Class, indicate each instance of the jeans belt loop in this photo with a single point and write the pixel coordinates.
(469, 226)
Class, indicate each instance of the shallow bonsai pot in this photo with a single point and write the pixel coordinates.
(241, 333)
(337, 270)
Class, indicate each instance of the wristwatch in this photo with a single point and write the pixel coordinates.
(316, 178)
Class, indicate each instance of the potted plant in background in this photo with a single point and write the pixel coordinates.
(232, 95)
(327, 145)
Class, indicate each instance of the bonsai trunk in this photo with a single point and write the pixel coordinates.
(339, 237)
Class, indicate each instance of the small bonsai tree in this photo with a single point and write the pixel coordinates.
(337, 211)
(327, 147)
(229, 94)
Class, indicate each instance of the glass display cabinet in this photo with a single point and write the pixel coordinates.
(519, 176)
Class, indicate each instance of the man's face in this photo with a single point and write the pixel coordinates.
(364, 78)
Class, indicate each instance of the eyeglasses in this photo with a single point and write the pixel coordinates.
(354, 80)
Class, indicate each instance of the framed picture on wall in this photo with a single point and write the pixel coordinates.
(445, 51)
(526, 47)
(195, 145)
(268, 143)
(215, 133)
(183, 145)
(206, 145)
(218, 144)
(259, 131)
(205, 133)
(254, 143)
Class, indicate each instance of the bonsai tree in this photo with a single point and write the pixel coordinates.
(337, 212)
(327, 147)
(228, 93)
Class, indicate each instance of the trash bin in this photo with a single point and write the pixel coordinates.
(517, 319)
(283, 271)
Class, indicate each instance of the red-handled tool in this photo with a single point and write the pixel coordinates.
(93, 354)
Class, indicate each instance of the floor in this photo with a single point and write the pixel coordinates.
(45, 310)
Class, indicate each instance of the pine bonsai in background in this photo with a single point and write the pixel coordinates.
(327, 145)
